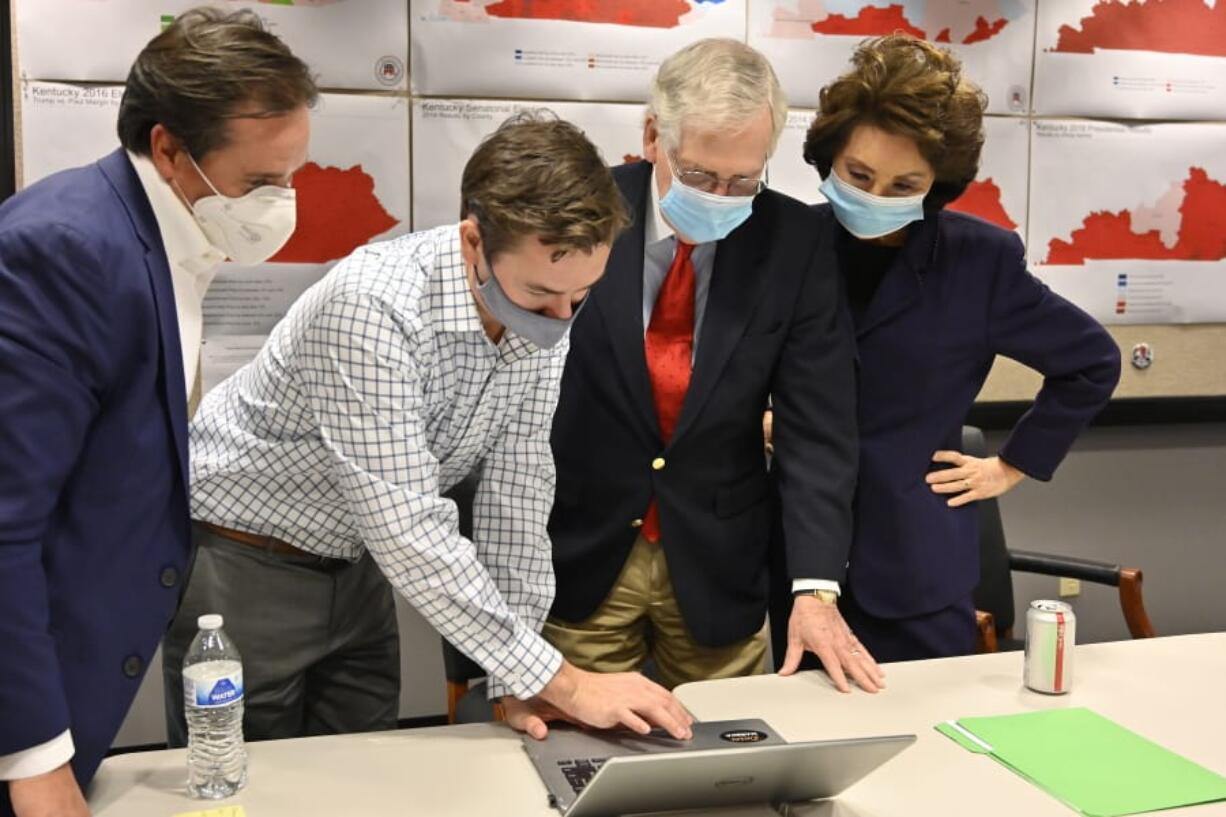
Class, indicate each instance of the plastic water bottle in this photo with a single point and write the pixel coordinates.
(213, 700)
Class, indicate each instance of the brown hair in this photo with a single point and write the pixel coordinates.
(911, 88)
(539, 175)
(206, 67)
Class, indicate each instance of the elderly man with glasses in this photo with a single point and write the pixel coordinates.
(720, 300)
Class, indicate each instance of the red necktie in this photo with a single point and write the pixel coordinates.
(670, 351)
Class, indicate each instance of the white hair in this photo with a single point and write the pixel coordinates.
(715, 84)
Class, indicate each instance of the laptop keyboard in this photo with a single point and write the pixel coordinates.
(580, 772)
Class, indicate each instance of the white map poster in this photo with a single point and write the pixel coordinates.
(65, 126)
(1001, 188)
(997, 195)
(1144, 59)
(789, 173)
(347, 43)
(353, 189)
(556, 49)
(1130, 222)
(446, 131)
(810, 42)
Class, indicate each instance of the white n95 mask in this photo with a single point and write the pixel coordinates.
(251, 228)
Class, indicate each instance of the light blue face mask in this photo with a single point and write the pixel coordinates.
(702, 217)
(867, 216)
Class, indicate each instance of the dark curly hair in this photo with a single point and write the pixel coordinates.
(912, 88)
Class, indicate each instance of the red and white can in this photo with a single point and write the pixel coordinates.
(1051, 632)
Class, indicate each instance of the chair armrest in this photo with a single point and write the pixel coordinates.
(1049, 564)
(986, 641)
(1127, 579)
(1134, 606)
(459, 667)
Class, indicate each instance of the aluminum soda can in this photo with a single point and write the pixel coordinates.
(1051, 632)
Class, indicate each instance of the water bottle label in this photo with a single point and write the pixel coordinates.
(215, 692)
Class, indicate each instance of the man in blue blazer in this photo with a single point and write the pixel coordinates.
(102, 272)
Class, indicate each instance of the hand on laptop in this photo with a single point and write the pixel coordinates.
(818, 627)
(601, 701)
(531, 716)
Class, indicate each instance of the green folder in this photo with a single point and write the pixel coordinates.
(1089, 762)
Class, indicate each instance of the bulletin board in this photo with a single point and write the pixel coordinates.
(1186, 383)
(1078, 111)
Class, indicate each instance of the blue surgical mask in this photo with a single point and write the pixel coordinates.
(543, 331)
(867, 216)
(702, 217)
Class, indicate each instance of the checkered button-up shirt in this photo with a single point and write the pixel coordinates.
(377, 392)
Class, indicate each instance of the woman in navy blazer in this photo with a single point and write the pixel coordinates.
(934, 297)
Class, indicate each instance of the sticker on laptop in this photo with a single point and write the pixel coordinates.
(743, 736)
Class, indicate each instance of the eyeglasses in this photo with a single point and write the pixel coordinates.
(708, 182)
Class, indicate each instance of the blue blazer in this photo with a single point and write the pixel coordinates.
(94, 525)
(957, 295)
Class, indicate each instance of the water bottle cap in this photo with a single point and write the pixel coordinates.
(209, 622)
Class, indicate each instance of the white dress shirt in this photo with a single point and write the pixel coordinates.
(378, 392)
(193, 263)
(193, 260)
(659, 247)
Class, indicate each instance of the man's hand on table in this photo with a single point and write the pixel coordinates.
(600, 701)
(817, 626)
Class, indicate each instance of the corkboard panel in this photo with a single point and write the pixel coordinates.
(1189, 361)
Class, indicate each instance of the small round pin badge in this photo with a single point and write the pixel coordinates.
(1142, 356)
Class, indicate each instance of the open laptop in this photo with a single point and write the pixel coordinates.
(609, 774)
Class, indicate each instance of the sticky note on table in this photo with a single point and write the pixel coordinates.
(224, 811)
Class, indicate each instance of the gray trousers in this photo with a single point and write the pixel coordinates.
(320, 646)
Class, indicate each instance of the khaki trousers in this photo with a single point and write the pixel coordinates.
(640, 619)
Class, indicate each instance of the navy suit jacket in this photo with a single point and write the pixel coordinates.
(94, 525)
(773, 326)
(957, 295)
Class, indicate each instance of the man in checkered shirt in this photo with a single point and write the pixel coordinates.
(318, 469)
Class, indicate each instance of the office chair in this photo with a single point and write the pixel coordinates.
(466, 701)
(997, 563)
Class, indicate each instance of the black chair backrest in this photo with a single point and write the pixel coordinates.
(456, 665)
(459, 667)
(995, 591)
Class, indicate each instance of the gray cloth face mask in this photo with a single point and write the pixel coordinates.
(541, 330)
